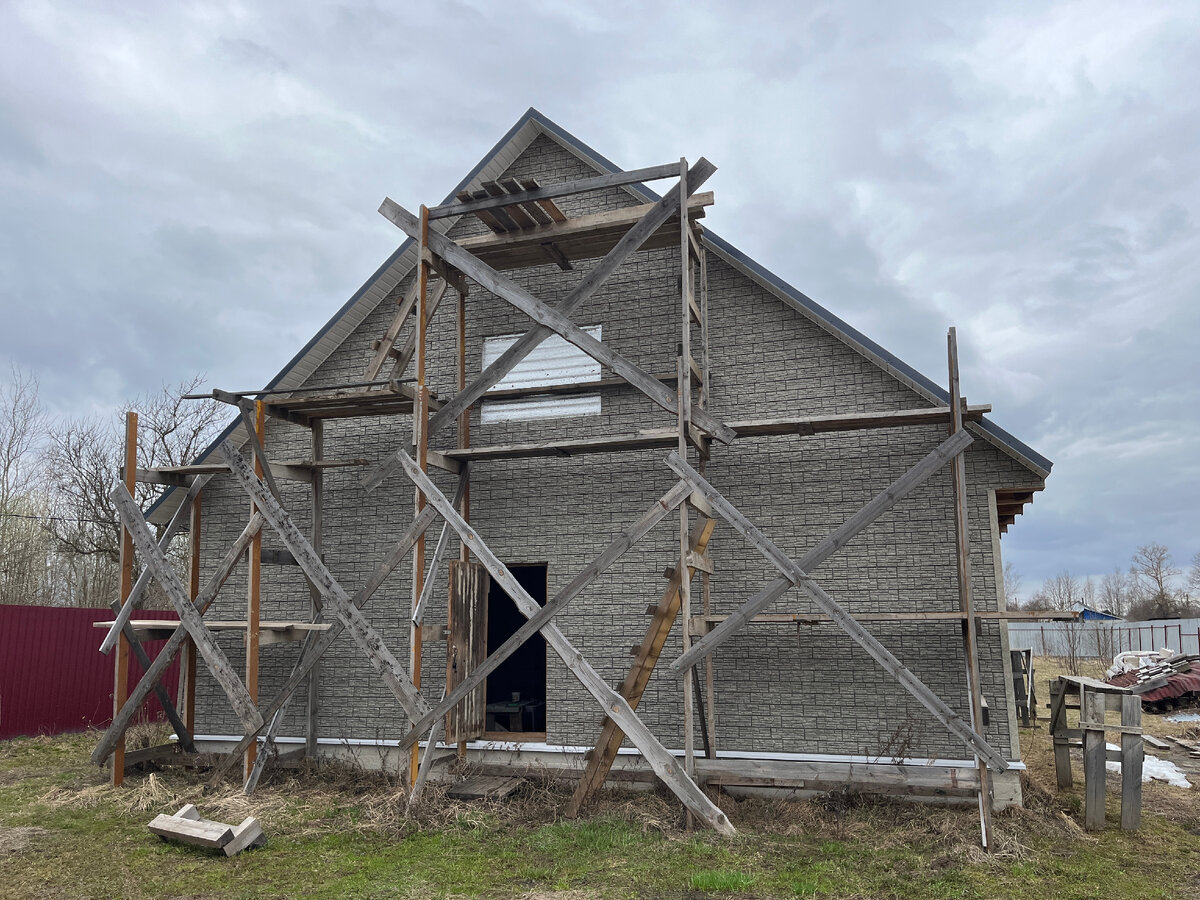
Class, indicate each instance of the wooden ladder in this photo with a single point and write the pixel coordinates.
(600, 759)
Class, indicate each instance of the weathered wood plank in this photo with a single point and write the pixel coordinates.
(545, 614)
(797, 574)
(864, 517)
(368, 639)
(550, 318)
(197, 832)
(248, 834)
(439, 553)
(587, 286)
(127, 609)
(189, 617)
(1094, 759)
(466, 650)
(562, 189)
(393, 331)
(1133, 755)
(615, 706)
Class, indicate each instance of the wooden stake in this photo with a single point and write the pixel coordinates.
(189, 707)
(254, 579)
(121, 663)
(318, 512)
(958, 474)
(421, 436)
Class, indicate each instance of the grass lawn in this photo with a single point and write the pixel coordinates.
(337, 833)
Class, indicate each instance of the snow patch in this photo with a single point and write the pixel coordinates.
(1154, 769)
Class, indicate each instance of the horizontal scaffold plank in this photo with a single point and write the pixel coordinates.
(561, 189)
(582, 237)
(669, 437)
(700, 624)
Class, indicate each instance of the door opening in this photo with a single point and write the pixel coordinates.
(516, 690)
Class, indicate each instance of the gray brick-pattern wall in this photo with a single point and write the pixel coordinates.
(777, 688)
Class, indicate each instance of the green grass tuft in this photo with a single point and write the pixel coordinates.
(721, 881)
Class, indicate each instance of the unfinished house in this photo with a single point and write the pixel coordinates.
(474, 490)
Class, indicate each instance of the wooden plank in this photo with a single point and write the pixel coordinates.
(646, 656)
(864, 517)
(410, 341)
(615, 706)
(188, 663)
(640, 229)
(1094, 758)
(121, 661)
(197, 832)
(958, 479)
(465, 652)
(667, 437)
(189, 617)
(375, 366)
(369, 641)
(797, 574)
(549, 207)
(561, 189)
(150, 754)
(1132, 760)
(248, 834)
(439, 554)
(519, 217)
(485, 787)
(256, 435)
(545, 614)
(550, 318)
(435, 736)
(1058, 727)
(529, 207)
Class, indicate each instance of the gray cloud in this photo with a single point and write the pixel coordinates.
(194, 189)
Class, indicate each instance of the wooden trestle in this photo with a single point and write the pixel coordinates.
(525, 228)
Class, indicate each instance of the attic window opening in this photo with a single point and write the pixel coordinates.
(553, 363)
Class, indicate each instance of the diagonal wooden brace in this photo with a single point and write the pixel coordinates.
(797, 574)
(189, 618)
(152, 675)
(876, 507)
(508, 290)
(536, 623)
(615, 706)
(312, 656)
(590, 283)
(126, 610)
(368, 639)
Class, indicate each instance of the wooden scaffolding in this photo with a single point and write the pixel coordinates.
(525, 228)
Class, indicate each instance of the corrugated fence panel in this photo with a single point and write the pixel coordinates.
(1104, 639)
(53, 677)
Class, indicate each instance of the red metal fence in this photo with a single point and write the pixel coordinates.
(53, 678)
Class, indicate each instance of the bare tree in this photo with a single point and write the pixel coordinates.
(1193, 579)
(84, 462)
(1116, 593)
(1012, 586)
(1155, 576)
(23, 545)
(1059, 592)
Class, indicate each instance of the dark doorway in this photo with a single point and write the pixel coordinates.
(516, 691)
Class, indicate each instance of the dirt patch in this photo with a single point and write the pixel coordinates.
(19, 839)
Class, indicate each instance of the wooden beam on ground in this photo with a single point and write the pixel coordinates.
(189, 618)
(546, 614)
(615, 706)
(550, 318)
(797, 574)
(211, 588)
(639, 230)
(869, 513)
(562, 189)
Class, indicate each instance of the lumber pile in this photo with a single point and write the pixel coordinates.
(187, 827)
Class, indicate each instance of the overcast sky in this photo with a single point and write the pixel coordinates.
(192, 187)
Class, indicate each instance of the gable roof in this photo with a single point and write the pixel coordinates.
(532, 124)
